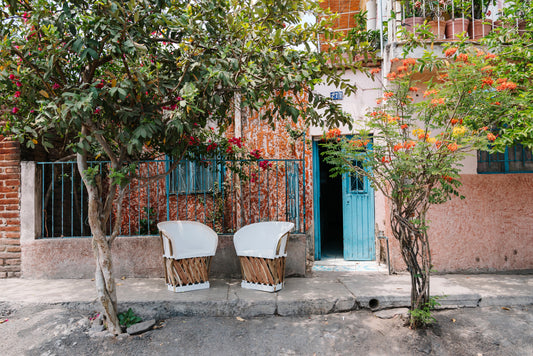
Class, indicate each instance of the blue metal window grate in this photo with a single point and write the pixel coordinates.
(515, 159)
(209, 192)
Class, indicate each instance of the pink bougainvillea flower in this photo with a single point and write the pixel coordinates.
(17, 94)
(19, 84)
(256, 153)
(265, 165)
(15, 110)
(97, 110)
(56, 86)
(12, 76)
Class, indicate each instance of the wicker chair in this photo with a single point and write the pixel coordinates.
(261, 248)
(188, 247)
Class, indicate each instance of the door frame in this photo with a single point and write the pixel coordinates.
(316, 200)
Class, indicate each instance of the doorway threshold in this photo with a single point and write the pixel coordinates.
(341, 265)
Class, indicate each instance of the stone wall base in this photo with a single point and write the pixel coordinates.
(135, 257)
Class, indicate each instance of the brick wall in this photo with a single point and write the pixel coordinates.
(9, 208)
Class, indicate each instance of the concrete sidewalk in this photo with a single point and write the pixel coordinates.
(324, 292)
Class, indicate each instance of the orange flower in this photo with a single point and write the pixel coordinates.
(506, 85)
(490, 56)
(430, 92)
(453, 147)
(487, 81)
(409, 144)
(375, 71)
(332, 133)
(379, 101)
(402, 69)
(497, 103)
(394, 60)
(409, 97)
(385, 159)
(454, 121)
(443, 76)
(491, 137)
(409, 61)
(447, 178)
(404, 126)
(462, 57)
(501, 80)
(486, 69)
(398, 147)
(391, 76)
(450, 51)
(438, 101)
(415, 89)
(438, 143)
(388, 94)
(394, 119)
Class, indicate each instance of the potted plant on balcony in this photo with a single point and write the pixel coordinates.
(459, 11)
(436, 9)
(414, 14)
(480, 25)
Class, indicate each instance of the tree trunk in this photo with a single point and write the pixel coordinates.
(415, 252)
(104, 279)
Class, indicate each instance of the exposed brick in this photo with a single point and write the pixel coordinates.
(13, 182)
(7, 176)
(12, 221)
(7, 255)
(8, 189)
(11, 207)
(6, 241)
(10, 268)
(9, 215)
(10, 157)
(344, 20)
(14, 274)
(13, 249)
(12, 170)
(10, 228)
(3, 274)
(12, 235)
(13, 261)
(11, 195)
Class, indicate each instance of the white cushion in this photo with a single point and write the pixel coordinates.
(189, 239)
(261, 239)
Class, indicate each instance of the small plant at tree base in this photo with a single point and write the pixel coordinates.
(423, 315)
(128, 318)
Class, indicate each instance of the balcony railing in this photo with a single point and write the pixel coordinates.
(447, 19)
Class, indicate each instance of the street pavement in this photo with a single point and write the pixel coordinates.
(322, 293)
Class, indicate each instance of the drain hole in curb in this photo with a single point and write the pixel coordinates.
(373, 304)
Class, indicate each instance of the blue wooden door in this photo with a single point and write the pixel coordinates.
(358, 218)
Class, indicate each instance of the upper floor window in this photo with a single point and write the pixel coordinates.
(515, 159)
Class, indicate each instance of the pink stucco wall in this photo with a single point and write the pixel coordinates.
(492, 229)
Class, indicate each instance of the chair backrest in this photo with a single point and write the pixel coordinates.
(188, 239)
(262, 239)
